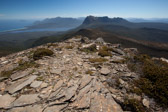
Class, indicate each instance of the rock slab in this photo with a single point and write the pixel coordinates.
(19, 85)
(6, 100)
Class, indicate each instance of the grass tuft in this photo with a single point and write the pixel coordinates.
(39, 53)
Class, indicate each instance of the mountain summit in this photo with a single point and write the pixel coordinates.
(79, 75)
(105, 19)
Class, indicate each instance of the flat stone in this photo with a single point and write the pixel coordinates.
(36, 84)
(19, 75)
(100, 103)
(26, 100)
(70, 92)
(46, 92)
(83, 102)
(84, 91)
(117, 59)
(43, 85)
(86, 79)
(6, 100)
(35, 108)
(19, 85)
(55, 108)
(113, 71)
(56, 71)
(118, 51)
(58, 85)
(104, 71)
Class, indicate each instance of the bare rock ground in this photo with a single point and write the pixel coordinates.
(67, 81)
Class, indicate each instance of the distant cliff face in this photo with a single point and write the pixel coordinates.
(105, 19)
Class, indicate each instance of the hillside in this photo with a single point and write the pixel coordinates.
(14, 42)
(57, 22)
(151, 48)
(79, 75)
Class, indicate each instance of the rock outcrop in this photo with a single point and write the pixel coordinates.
(74, 79)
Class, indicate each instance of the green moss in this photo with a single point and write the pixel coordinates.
(100, 60)
(133, 105)
(39, 53)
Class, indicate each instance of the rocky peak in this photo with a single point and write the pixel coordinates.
(76, 75)
(105, 19)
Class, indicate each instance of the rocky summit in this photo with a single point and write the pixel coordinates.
(76, 75)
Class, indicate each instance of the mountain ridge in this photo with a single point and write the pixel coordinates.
(78, 74)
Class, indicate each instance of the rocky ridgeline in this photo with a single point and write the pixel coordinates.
(76, 78)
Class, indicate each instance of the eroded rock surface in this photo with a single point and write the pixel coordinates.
(67, 81)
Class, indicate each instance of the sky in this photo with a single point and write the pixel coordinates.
(40, 9)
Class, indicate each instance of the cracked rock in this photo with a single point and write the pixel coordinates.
(19, 85)
(26, 100)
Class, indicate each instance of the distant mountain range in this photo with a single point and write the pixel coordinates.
(148, 37)
(91, 21)
(160, 20)
(57, 22)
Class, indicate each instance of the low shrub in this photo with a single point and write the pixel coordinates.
(20, 67)
(104, 51)
(69, 47)
(6, 74)
(25, 65)
(39, 53)
(153, 78)
(133, 105)
(99, 60)
(90, 49)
